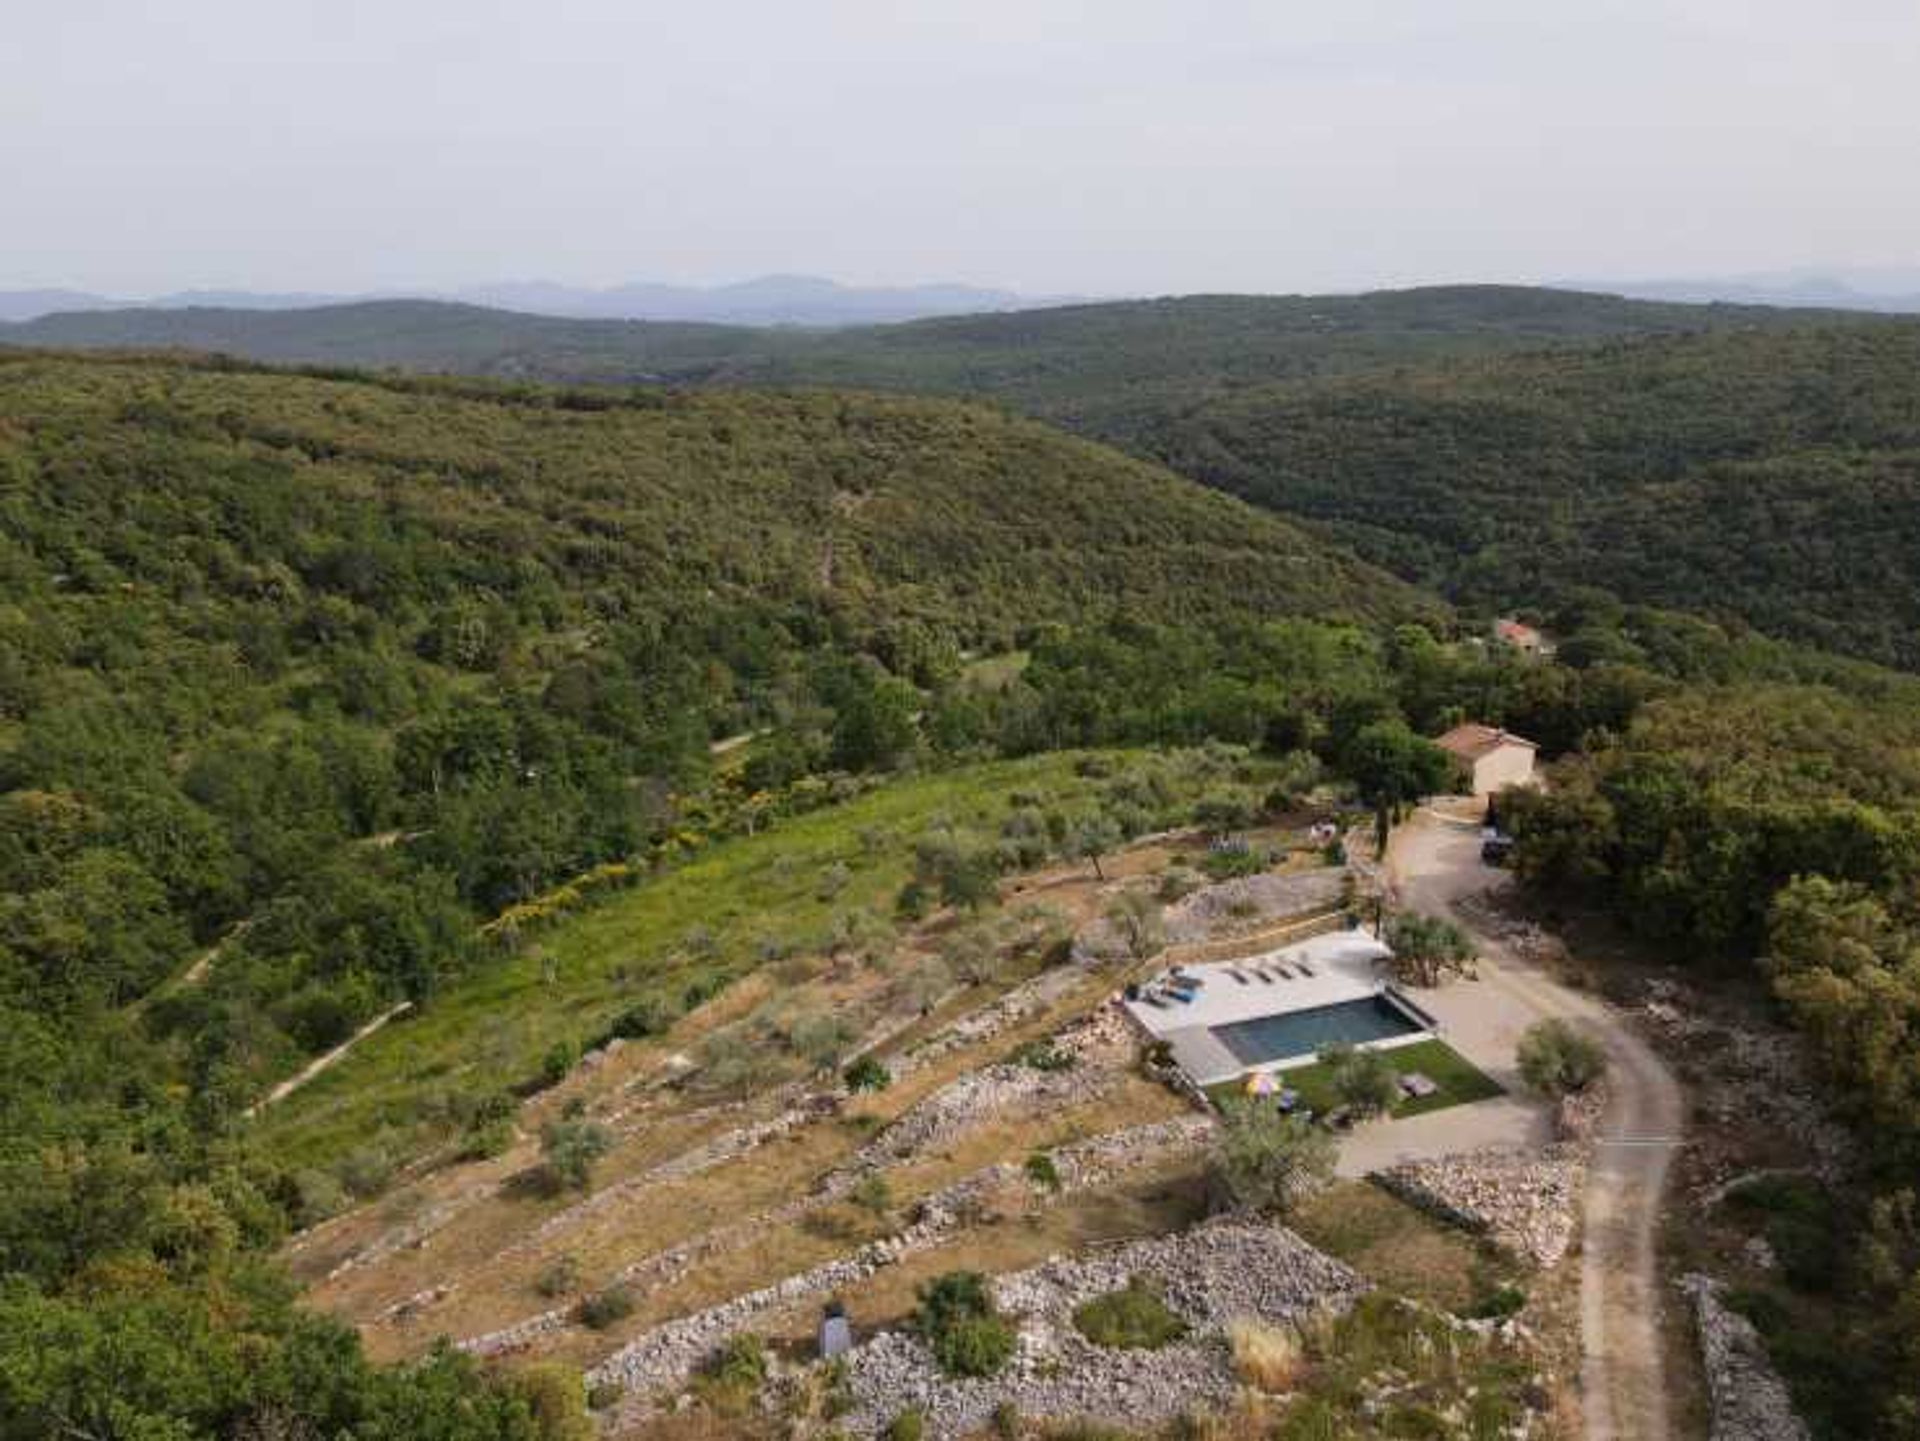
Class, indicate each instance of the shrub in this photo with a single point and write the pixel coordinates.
(1225, 865)
(1266, 1357)
(1005, 1422)
(366, 1170)
(560, 1058)
(1270, 1160)
(820, 1038)
(909, 1425)
(868, 1073)
(649, 1016)
(728, 1060)
(486, 1140)
(559, 1277)
(603, 1394)
(1132, 1318)
(604, 1308)
(316, 1197)
(950, 1296)
(1364, 1081)
(1557, 1060)
(1177, 884)
(915, 901)
(1039, 1055)
(732, 1375)
(1801, 1223)
(1042, 1172)
(957, 1317)
(1497, 1304)
(556, 1399)
(872, 1193)
(568, 1150)
(974, 1346)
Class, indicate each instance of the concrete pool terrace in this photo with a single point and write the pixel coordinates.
(1334, 983)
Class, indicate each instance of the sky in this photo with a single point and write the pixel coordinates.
(1051, 146)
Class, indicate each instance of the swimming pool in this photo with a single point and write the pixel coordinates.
(1266, 1039)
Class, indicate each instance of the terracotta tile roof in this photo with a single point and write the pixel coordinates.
(1472, 741)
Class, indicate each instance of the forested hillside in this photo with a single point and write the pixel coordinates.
(305, 681)
(254, 619)
(1506, 444)
(1772, 478)
(1117, 370)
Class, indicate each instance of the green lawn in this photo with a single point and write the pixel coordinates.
(1459, 1080)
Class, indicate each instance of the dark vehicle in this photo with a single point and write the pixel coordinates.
(1496, 850)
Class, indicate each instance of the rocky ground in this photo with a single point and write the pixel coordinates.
(1746, 1077)
(1526, 1202)
(1229, 908)
(1209, 1276)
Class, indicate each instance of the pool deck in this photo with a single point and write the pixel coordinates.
(1346, 967)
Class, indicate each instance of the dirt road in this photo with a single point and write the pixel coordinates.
(1433, 862)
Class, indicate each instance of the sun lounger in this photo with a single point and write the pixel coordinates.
(1417, 1085)
(1305, 968)
(1152, 998)
(1240, 976)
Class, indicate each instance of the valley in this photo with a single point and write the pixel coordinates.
(590, 885)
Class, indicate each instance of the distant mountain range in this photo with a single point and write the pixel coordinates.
(798, 300)
(1888, 290)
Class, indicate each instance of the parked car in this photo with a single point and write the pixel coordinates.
(1496, 850)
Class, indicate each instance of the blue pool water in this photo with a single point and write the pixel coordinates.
(1301, 1033)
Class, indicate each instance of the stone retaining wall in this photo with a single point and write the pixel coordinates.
(1748, 1398)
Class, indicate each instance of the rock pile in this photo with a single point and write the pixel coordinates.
(1524, 1201)
(1249, 901)
(1209, 1276)
(665, 1356)
(1748, 1398)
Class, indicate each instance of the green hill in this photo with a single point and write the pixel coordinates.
(1112, 369)
(256, 622)
(1502, 442)
(1772, 478)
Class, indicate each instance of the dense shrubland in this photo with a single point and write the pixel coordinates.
(1765, 477)
(1783, 822)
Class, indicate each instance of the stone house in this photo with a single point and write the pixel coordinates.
(1492, 758)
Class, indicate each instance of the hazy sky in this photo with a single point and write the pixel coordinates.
(1110, 146)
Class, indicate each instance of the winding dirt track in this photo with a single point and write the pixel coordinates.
(1433, 862)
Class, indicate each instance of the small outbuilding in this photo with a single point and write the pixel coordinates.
(1493, 758)
(836, 1334)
